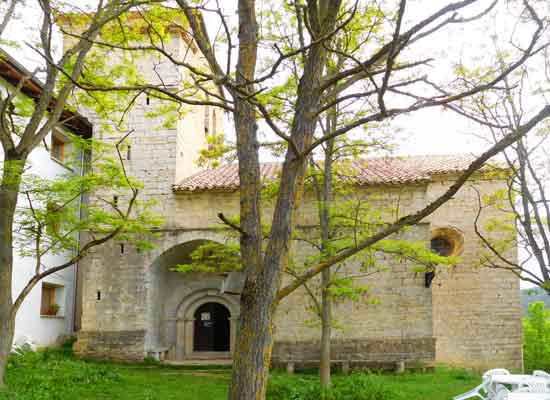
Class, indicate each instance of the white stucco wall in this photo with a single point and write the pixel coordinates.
(30, 325)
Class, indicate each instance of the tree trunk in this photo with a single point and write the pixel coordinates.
(7, 327)
(325, 201)
(259, 299)
(9, 188)
(251, 361)
(252, 352)
(326, 327)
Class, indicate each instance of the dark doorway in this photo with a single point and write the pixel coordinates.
(211, 328)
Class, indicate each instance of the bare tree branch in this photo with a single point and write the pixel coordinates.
(412, 219)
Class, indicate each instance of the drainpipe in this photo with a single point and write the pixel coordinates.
(76, 267)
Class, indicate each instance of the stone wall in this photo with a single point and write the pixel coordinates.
(115, 285)
(136, 292)
(114, 289)
(117, 345)
(393, 324)
(373, 353)
(472, 313)
(477, 313)
(397, 305)
(139, 293)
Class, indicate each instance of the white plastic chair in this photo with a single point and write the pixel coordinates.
(479, 391)
(495, 371)
(485, 391)
(534, 387)
(528, 396)
(493, 391)
(501, 394)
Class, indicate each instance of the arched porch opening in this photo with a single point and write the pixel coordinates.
(174, 298)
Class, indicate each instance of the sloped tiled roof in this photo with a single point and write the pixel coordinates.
(369, 171)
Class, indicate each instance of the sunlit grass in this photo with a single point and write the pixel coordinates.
(61, 376)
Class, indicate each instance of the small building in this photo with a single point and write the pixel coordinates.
(134, 305)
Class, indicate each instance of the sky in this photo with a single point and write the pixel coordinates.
(426, 132)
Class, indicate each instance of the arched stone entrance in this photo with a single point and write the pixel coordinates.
(212, 328)
(174, 297)
(206, 325)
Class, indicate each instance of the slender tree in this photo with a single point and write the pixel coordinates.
(24, 125)
(347, 215)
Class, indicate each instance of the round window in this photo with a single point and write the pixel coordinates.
(441, 246)
(447, 241)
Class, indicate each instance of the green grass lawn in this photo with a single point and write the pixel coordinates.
(54, 375)
(148, 383)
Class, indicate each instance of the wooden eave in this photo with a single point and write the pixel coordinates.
(13, 73)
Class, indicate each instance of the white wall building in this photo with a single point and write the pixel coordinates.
(49, 309)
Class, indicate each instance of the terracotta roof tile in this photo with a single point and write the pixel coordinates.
(382, 170)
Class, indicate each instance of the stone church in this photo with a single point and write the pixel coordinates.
(131, 304)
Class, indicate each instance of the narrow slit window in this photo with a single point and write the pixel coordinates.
(214, 123)
(147, 100)
(121, 248)
(99, 295)
(206, 120)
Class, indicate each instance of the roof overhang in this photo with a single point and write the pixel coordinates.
(14, 73)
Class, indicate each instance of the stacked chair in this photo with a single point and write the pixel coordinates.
(500, 384)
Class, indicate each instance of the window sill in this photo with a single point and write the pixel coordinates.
(52, 316)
